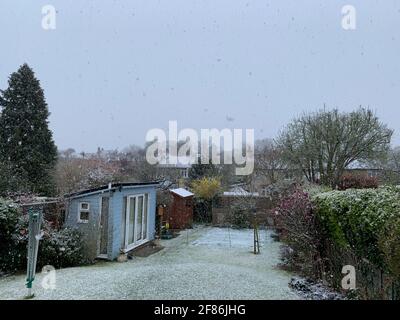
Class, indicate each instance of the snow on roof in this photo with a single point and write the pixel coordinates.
(238, 191)
(358, 165)
(176, 162)
(182, 192)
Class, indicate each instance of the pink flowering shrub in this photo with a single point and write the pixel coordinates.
(297, 227)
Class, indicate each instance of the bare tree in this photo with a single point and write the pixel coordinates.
(391, 166)
(324, 143)
(268, 159)
(74, 173)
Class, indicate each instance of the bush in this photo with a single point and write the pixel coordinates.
(202, 210)
(361, 228)
(9, 218)
(297, 227)
(206, 191)
(60, 249)
(357, 181)
(356, 227)
(389, 244)
(355, 218)
(239, 216)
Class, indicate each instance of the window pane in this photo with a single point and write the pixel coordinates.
(123, 222)
(146, 200)
(84, 216)
(139, 218)
(131, 221)
(84, 206)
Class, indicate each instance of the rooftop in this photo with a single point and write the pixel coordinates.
(182, 192)
(111, 186)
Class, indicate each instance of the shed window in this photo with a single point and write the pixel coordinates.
(83, 212)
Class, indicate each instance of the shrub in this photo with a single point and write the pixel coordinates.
(60, 249)
(297, 227)
(239, 216)
(389, 244)
(206, 191)
(9, 217)
(355, 218)
(357, 181)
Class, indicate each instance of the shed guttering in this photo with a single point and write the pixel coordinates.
(107, 188)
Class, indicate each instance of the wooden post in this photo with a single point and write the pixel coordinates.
(256, 236)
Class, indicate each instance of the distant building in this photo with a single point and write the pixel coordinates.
(370, 170)
(174, 168)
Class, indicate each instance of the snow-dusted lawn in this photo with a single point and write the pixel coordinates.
(202, 263)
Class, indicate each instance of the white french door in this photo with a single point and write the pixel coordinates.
(136, 218)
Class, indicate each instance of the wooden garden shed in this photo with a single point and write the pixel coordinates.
(180, 213)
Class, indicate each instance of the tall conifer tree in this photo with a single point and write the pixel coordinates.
(27, 150)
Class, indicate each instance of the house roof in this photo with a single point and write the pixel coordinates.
(358, 165)
(238, 191)
(111, 186)
(176, 162)
(182, 192)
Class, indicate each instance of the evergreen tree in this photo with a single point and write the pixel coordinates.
(200, 170)
(27, 150)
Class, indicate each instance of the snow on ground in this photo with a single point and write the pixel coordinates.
(202, 263)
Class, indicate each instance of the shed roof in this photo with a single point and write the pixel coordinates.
(111, 186)
(182, 192)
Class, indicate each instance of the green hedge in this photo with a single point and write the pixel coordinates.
(363, 221)
(59, 248)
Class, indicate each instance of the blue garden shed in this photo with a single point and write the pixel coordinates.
(114, 219)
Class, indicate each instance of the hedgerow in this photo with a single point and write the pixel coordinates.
(361, 227)
(355, 219)
(59, 248)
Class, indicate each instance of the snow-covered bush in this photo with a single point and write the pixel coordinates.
(239, 215)
(9, 217)
(63, 248)
(355, 218)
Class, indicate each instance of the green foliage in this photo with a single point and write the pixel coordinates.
(389, 244)
(9, 217)
(239, 216)
(313, 189)
(28, 152)
(356, 219)
(63, 248)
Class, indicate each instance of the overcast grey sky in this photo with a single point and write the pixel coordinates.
(112, 70)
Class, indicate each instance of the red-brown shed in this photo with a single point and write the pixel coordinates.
(181, 209)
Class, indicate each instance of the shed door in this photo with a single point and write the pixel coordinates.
(104, 225)
(136, 231)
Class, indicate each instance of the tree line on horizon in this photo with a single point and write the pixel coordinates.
(320, 145)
